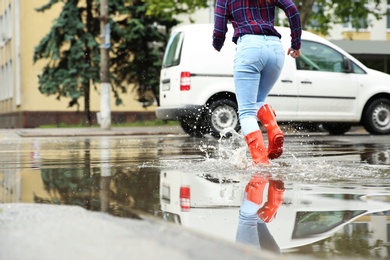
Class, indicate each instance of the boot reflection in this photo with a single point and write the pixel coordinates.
(275, 199)
(252, 228)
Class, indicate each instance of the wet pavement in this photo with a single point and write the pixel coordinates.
(150, 191)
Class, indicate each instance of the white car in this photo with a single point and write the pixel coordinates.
(201, 202)
(324, 86)
(209, 204)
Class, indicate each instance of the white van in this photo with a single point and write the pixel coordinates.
(209, 204)
(201, 202)
(325, 85)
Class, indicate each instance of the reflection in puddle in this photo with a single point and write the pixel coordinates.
(335, 201)
(309, 216)
(254, 215)
(376, 157)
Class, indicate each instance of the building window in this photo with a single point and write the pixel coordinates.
(6, 25)
(361, 230)
(9, 24)
(350, 27)
(2, 28)
(376, 62)
(10, 80)
(2, 83)
(6, 81)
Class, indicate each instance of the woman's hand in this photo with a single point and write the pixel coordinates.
(293, 53)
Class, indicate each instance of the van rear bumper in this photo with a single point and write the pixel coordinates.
(176, 113)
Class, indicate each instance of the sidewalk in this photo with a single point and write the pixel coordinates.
(46, 232)
(131, 131)
(71, 132)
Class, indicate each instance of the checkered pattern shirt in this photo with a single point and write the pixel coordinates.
(254, 17)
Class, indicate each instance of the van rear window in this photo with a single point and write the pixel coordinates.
(173, 50)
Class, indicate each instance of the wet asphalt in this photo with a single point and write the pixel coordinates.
(41, 231)
(47, 231)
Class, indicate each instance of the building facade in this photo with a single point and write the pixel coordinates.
(21, 103)
(370, 45)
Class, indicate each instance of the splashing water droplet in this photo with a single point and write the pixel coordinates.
(232, 146)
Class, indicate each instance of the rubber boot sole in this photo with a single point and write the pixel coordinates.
(276, 149)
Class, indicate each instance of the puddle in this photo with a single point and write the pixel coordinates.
(335, 203)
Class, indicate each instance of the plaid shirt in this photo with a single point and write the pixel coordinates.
(254, 17)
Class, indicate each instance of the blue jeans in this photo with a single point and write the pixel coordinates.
(258, 63)
(252, 230)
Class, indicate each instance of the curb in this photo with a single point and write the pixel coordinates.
(82, 132)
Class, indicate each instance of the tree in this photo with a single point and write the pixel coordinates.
(146, 35)
(70, 70)
(139, 42)
(72, 47)
(321, 15)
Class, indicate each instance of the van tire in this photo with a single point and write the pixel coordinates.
(221, 114)
(376, 118)
(193, 127)
(336, 128)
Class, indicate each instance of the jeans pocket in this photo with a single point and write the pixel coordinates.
(248, 55)
(279, 57)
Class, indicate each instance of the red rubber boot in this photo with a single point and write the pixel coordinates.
(256, 147)
(275, 199)
(275, 135)
(255, 189)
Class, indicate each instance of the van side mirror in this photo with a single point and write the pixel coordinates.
(347, 65)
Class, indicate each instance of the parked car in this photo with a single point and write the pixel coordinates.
(324, 86)
(209, 204)
(201, 202)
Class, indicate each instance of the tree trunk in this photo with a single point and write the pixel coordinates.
(305, 8)
(87, 110)
(87, 60)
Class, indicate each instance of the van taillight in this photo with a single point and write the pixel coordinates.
(185, 81)
(185, 198)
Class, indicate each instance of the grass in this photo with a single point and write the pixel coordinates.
(157, 122)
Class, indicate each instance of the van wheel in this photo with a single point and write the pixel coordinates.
(376, 118)
(336, 128)
(222, 114)
(307, 127)
(193, 127)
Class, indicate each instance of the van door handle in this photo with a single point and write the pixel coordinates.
(306, 82)
(287, 81)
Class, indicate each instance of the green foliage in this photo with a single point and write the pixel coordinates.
(139, 43)
(346, 245)
(321, 15)
(124, 193)
(139, 32)
(173, 7)
(70, 186)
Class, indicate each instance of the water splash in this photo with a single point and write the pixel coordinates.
(228, 157)
(230, 132)
(232, 146)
